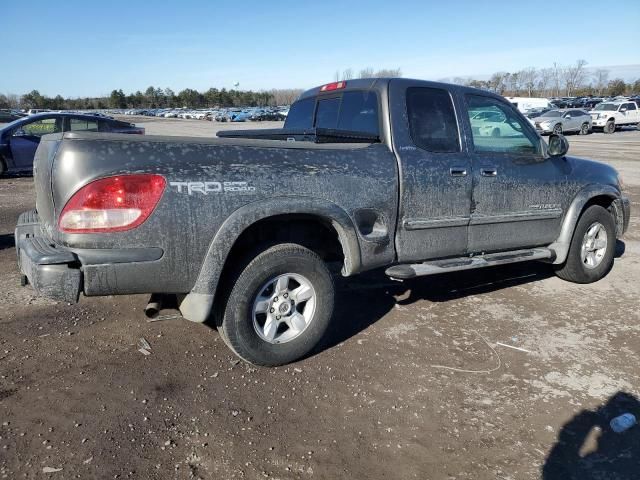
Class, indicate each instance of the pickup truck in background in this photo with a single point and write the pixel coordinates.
(248, 230)
(610, 115)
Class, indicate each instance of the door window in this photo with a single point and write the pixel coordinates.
(82, 125)
(39, 127)
(631, 106)
(502, 132)
(432, 120)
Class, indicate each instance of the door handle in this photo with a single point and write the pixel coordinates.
(489, 172)
(458, 171)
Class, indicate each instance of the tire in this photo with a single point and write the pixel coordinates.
(557, 129)
(3, 167)
(584, 129)
(576, 269)
(610, 127)
(275, 275)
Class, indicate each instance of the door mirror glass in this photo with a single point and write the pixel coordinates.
(18, 133)
(558, 145)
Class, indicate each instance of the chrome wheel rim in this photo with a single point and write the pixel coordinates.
(284, 308)
(557, 129)
(585, 129)
(594, 245)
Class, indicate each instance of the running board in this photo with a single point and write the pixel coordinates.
(406, 271)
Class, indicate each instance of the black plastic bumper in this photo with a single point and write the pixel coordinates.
(51, 269)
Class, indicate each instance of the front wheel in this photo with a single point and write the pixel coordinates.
(279, 307)
(557, 129)
(610, 127)
(592, 248)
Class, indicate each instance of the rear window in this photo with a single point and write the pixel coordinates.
(355, 111)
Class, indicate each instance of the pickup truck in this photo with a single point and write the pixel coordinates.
(248, 230)
(610, 115)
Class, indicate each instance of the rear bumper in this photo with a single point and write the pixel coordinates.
(51, 269)
(62, 273)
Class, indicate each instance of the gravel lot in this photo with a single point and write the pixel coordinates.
(376, 401)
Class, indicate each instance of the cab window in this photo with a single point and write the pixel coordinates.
(40, 127)
(504, 132)
(82, 125)
(432, 120)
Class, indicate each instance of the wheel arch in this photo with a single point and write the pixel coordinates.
(603, 195)
(256, 217)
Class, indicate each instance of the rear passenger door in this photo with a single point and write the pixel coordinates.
(435, 173)
(517, 196)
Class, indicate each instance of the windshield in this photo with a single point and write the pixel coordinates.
(552, 113)
(608, 107)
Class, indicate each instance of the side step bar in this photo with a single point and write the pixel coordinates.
(406, 271)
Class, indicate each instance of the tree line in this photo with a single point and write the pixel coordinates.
(154, 97)
(554, 81)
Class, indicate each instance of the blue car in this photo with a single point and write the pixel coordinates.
(20, 139)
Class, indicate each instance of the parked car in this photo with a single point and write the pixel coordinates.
(524, 104)
(248, 230)
(563, 121)
(610, 115)
(20, 139)
(7, 115)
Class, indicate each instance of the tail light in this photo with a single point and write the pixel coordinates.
(112, 204)
(329, 87)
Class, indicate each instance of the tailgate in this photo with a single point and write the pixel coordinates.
(42, 167)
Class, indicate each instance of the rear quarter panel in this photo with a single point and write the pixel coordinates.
(238, 174)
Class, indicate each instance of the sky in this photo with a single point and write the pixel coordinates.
(88, 48)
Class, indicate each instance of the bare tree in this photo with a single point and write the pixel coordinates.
(556, 76)
(514, 83)
(601, 77)
(389, 72)
(545, 76)
(347, 74)
(574, 76)
(366, 73)
(528, 77)
(497, 82)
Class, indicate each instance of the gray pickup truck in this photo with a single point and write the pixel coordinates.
(247, 230)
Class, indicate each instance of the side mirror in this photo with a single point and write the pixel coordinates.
(558, 145)
(19, 133)
(567, 116)
(623, 109)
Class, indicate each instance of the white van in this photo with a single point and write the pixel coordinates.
(524, 104)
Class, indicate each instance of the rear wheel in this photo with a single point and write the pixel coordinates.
(610, 127)
(279, 307)
(584, 129)
(3, 167)
(557, 129)
(592, 248)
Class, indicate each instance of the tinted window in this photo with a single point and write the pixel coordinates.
(510, 135)
(41, 127)
(83, 125)
(432, 120)
(301, 114)
(327, 113)
(359, 112)
(631, 106)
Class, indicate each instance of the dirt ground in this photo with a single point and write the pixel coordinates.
(379, 399)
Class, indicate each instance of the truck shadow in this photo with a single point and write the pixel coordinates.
(587, 448)
(364, 299)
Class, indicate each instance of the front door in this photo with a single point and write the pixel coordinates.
(517, 199)
(435, 173)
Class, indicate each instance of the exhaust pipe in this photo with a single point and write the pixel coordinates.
(156, 304)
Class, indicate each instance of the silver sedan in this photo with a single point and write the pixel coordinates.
(563, 121)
